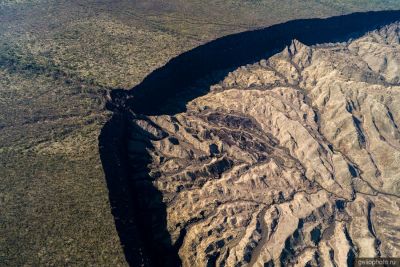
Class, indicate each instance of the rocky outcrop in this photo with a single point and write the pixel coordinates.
(293, 160)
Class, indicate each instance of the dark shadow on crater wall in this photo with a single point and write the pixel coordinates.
(114, 157)
(139, 213)
(215, 59)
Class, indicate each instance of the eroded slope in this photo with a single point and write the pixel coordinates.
(291, 160)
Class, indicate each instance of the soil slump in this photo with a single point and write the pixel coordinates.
(194, 170)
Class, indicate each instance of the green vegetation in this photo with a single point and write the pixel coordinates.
(57, 61)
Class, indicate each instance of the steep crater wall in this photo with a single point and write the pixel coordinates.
(276, 162)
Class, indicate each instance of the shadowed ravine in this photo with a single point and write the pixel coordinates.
(139, 213)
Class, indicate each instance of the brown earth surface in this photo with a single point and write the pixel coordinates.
(58, 61)
(293, 160)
